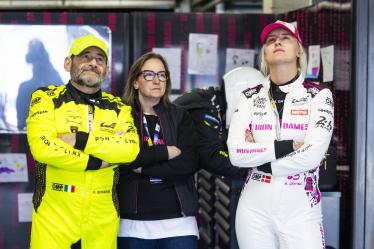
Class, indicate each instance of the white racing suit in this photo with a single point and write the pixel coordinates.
(281, 209)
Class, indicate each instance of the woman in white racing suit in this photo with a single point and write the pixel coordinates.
(281, 130)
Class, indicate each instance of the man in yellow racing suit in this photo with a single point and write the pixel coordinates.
(78, 135)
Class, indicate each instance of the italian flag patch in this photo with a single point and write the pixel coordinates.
(69, 188)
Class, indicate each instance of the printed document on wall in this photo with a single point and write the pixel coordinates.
(202, 54)
(327, 55)
(313, 62)
(24, 207)
(173, 57)
(239, 58)
(13, 167)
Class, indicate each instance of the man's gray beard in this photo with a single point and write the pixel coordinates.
(84, 82)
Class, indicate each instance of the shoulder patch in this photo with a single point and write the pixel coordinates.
(108, 101)
(249, 92)
(50, 90)
(110, 98)
(313, 88)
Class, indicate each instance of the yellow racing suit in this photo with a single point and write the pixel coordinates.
(75, 204)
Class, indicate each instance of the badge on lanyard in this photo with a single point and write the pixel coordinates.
(90, 117)
(156, 135)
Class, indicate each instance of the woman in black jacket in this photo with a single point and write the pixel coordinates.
(158, 199)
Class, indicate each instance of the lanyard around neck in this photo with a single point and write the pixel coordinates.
(157, 132)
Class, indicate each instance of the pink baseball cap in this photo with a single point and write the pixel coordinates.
(280, 25)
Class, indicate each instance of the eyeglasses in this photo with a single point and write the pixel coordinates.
(86, 57)
(149, 75)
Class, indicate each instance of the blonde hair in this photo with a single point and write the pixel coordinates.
(301, 61)
(130, 93)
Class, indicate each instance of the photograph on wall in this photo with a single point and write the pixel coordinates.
(203, 54)
(35, 58)
(13, 167)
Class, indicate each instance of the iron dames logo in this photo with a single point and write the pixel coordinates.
(295, 126)
(263, 127)
(294, 180)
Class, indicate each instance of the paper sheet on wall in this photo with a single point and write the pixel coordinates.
(313, 62)
(202, 54)
(24, 207)
(13, 167)
(327, 55)
(173, 57)
(239, 58)
(342, 69)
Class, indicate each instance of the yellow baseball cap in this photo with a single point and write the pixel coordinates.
(83, 42)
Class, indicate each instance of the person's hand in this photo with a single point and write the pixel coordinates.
(69, 138)
(249, 136)
(297, 145)
(173, 152)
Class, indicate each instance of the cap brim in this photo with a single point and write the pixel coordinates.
(270, 27)
(84, 42)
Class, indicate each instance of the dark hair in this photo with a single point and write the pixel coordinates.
(130, 93)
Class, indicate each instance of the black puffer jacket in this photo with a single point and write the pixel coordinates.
(206, 107)
(178, 130)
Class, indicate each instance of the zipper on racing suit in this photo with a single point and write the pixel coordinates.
(274, 109)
